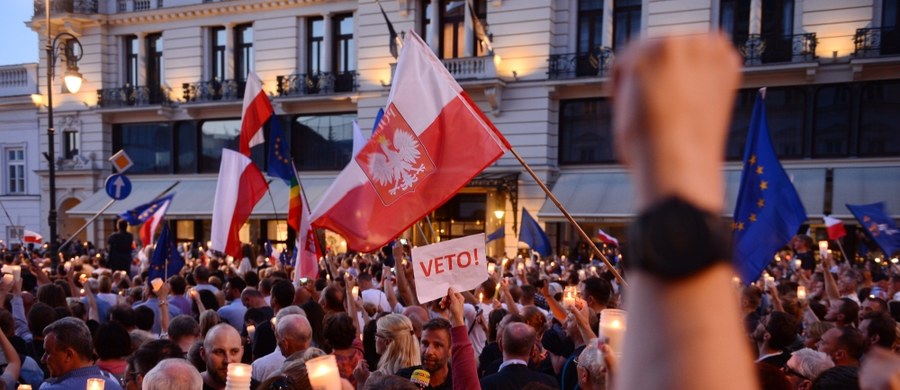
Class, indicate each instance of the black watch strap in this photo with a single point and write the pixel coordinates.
(674, 240)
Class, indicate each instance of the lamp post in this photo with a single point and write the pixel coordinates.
(71, 48)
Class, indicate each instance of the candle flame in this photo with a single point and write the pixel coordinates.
(616, 324)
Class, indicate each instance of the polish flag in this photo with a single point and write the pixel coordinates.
(31, 237)
(431, 141)
(606, 238)
(308, 252)
(835, 227)
(239, 187)
(149, 226)
(255, 113)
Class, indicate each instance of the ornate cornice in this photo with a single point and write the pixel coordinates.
(204, 10)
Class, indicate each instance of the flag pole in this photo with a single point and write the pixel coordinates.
(841, 246)
(21, 239)
(568, 216)
(422, 232)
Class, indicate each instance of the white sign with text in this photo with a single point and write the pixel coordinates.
(458, 263)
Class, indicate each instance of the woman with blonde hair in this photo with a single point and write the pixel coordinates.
(396, 342)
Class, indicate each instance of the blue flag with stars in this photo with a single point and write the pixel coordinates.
(768, 210)
(878, 226)
(532, 234)
(280, 164)
(166, 260)
(142, 213)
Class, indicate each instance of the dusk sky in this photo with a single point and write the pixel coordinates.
(18, 44)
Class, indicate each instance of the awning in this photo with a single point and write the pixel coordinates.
(194, 197)
(863, 185)
(610, 195)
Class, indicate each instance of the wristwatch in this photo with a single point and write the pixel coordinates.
(674, 240)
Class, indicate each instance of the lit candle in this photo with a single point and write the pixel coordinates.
(552, 264)
(823, 247)
(581, 274)
(798, 263)
(95, 384)
(82, 292)
(594, 269)
(497, 291)
(238, 376)
(24, 387)
(801, 292)
(613, 326)
(323, 373)
(355, 291)
(520, 267)
(569, 296)
(156, 283)
(503, 265)
(67, 265)
(492, 268)
(274, 320)
(194, 293)
(251, 329)
(480, 297)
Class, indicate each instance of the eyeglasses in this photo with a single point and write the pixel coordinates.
(790, 371)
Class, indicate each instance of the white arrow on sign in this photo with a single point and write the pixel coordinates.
(119, 183)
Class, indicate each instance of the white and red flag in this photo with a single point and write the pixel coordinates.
(308, 251)
(431, 141)
(149, 226)
(30, 237)
(607, 238)
(835, 227)
(239, 187)
(256, 111)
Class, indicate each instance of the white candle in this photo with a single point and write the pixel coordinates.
(251, 329)
(95, 384)
(520, 267)
(801, 292)
(24, 387)
(569, 296)
(323, 373)
(594, 269)
(613, 325)
(798, 263)
(823, 247)
(238, 376)
(355, 291)
(156, 283)
(552, 264)
(492, 268)
(480, 297)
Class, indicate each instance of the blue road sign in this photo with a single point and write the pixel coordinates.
(118, 186)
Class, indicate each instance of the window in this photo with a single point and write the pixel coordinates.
(626, 21)
(344, 50)
(15, 170)
(831, 134)
(777, 30)
(148, 144)
(131, 61)
(186, 147)
(316, 38)
(215, 136)
(785, 116)
(15, 236)
(452, 28)
(71, 140)
(322, 142)
(879, 128)
(461, 216)
(734, 19)
(243, 51)
(590, 32)
(155, 67)
(585, 132)
(890, 27)
(217, 53)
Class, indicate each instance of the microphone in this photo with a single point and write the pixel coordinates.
(420, 378)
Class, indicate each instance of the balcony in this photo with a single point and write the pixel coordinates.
(471, 68)
(213, 91)
(84, 7)
(129, 96)
(876, 42)
(18, 80)
(761, 49)
(322, 83)
(597, 63)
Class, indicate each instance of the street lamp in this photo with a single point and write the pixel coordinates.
(70, 47)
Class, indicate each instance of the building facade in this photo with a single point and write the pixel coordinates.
(164, 79)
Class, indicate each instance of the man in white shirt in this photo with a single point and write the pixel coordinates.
(372, 295)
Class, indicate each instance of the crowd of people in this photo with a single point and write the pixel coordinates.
(533, 324)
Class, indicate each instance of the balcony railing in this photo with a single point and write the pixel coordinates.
(573, 65)
(875, 42)
(760, 49)
(213, 91)
(324, 83)
(129, 96)
(67, 6)
(471, 68)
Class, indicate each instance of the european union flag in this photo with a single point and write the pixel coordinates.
(166, 260)
(768, 210)
(142, 213)
(878, 225)
(280, 164)
(496, 235)
(532, 234)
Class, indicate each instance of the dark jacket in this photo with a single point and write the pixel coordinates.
(515, 377)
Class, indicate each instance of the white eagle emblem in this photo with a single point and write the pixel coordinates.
(397, 165)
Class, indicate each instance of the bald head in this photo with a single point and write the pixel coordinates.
(293, 333)
(518, 339)
(173, 374)
(221, 347)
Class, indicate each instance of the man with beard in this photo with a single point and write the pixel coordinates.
(221, 347)
(435, 347)
(843, 312)
(773, 335)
